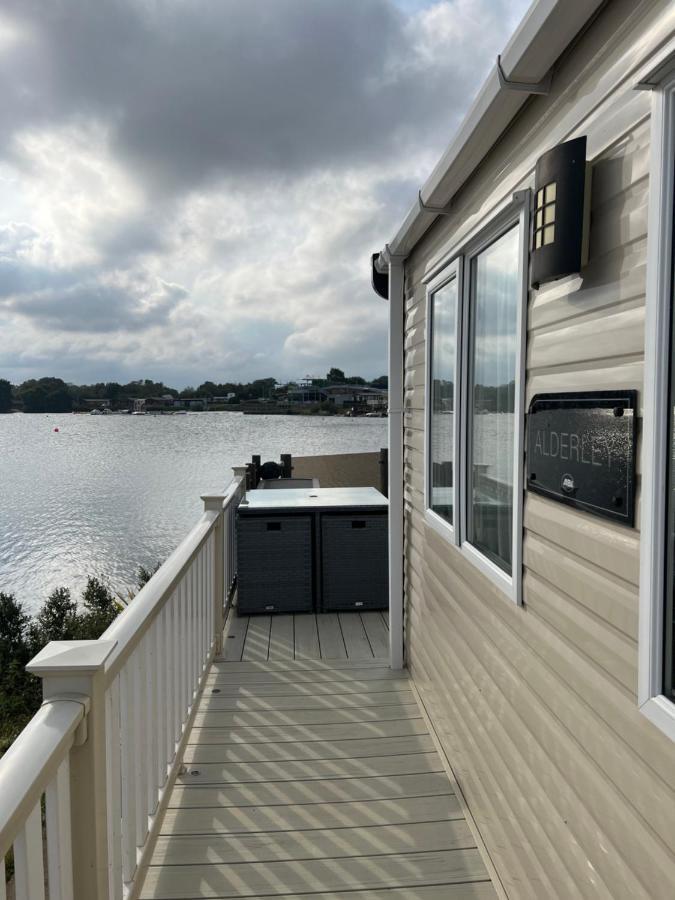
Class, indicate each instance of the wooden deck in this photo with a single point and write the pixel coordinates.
(350, 635)
(314, 776)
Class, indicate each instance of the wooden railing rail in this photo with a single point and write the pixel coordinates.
(139, 683)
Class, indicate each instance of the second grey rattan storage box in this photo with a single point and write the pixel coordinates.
(354, 570)
(274, 564)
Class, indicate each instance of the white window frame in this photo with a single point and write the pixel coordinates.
(516, 213)
(655, 432)
(452, 272)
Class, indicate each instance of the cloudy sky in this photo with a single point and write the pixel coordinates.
(191, 189)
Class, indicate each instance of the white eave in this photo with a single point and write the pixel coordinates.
(549, 26)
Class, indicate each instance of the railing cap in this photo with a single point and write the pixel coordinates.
(213, 501)
(68, 657)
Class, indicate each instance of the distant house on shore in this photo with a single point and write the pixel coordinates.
(341, 395)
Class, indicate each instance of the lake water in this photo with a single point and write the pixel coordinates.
(109, 493)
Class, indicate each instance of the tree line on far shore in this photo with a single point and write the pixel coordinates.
(55, 395)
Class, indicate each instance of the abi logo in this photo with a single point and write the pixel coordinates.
(567, 485)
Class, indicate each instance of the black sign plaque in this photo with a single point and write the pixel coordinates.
(581, 450)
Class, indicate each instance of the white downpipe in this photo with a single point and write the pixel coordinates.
(395, 477)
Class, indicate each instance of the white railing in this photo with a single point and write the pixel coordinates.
(108, 740)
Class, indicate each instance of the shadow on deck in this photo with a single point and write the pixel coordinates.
(310, 770)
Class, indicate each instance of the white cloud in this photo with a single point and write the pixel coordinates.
(192, 190)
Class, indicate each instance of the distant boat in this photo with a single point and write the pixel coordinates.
(96, 412)
(139, 412)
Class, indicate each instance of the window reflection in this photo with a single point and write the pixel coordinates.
(491, 429)
(442, 415)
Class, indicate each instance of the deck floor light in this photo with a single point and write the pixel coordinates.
(561, 212)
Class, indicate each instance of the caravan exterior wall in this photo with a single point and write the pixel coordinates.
(536, 701)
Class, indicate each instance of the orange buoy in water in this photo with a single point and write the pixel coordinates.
(56, 429)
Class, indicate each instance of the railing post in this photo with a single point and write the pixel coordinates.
(215, 502)
(77, 668)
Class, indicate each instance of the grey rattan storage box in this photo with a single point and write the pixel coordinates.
(288, 569)
(354, 570)
(274, 564)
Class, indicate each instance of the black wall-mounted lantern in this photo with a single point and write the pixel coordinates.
(561, 213)
(380, 280)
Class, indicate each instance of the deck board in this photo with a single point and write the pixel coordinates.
(279, 878)
(226, 688)
(331, 641)
(377, 632)
(214, 820)
(355, 637)
(208, 718)
(307, 637)
(257, 643)
(234, 638)
(336, 790)
(310, 770)
(298, 750)
(334, 732)
(298, 701)
(318, 843)
(282, 638)
(310, 773)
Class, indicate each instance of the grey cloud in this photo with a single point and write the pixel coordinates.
(195, 92)
(98, 308)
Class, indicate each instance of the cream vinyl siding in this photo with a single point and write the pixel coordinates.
(572, 789)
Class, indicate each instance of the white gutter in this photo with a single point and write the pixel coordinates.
(548, 28)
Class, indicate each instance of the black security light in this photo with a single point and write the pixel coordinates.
(380, 280)
(561, 214)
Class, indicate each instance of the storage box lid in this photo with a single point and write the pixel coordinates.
(315, 498)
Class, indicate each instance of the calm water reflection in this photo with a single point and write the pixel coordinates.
(109, 493)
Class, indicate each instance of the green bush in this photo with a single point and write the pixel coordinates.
(61, 618)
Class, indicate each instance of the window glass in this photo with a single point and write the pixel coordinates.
(495, 302)
(442, 413)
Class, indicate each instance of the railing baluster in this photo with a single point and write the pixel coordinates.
(194, 593)
(174, 672)
(179, 642)
(213, 586)
(161, 682)
(140, 728)
(203, 595)
(128, 779)
(29, 875)
(3, 880)
(59, 849)
(185, 648)
(197, 637)
(115, 788)
(207, 606)
(151, 719)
